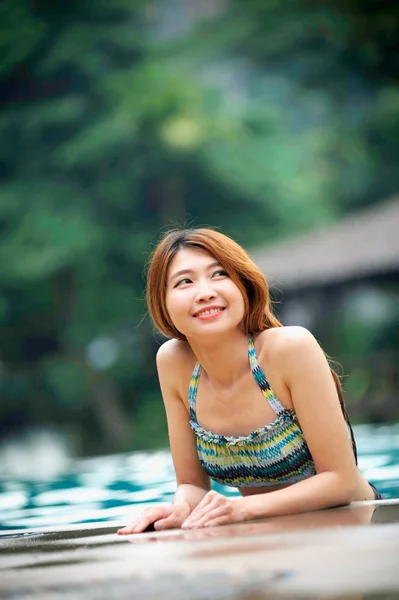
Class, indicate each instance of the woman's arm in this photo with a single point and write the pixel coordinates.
(306, 372)
(192, 481)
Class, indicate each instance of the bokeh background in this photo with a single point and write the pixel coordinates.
(277, 122)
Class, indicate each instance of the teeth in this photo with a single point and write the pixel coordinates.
(209, 312)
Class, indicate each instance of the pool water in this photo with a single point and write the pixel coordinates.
(117, 487)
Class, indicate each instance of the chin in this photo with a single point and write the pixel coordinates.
(214, 329)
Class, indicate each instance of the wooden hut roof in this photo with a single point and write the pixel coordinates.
(361, 245)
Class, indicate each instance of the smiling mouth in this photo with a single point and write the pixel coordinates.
(208, 312)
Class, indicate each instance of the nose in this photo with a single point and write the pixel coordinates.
(205, 291)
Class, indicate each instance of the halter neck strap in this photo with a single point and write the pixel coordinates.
(259, 377)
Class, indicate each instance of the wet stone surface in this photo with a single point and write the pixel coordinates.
(350, 553)
(215, 586)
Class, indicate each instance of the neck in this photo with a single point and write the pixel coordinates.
(225, 359)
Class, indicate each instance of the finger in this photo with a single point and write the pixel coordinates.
(216, 522)
(128, 529)
(208, 516)
(206, 501)
(194, 518)
(175, 518)
(169, 522)
(217, 517)
(209, 519)
(146, 519)
(202, 509)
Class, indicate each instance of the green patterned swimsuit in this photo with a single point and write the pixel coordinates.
(272, 455)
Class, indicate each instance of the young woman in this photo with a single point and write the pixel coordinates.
(249, 403)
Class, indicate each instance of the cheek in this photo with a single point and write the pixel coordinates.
(237, 296)
(175, 304)
(169, 305)
(242, 306)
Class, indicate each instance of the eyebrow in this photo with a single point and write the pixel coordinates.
(216, 263)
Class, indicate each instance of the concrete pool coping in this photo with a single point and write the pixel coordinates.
(350, 552)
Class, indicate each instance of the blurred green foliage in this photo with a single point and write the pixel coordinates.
(118, 119)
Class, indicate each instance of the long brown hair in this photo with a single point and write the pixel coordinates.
(251, 282)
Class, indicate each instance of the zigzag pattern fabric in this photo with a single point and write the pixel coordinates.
(272, 455)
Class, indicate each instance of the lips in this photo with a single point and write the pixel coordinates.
(209, 310)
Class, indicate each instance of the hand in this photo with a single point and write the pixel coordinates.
(162, 517)
(215, 509)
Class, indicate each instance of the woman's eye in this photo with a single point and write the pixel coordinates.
(220, 273)
(183, 281)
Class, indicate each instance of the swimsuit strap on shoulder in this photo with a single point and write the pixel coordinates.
(261, 380)
(192, 390)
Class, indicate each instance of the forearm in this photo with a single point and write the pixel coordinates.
(323, 490)
(190, 494)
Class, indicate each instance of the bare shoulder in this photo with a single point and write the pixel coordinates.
(173, 352)
(175, 362)
(282, 341)
(291, 353)
(168, 351)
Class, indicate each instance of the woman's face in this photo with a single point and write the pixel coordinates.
(200, 296)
